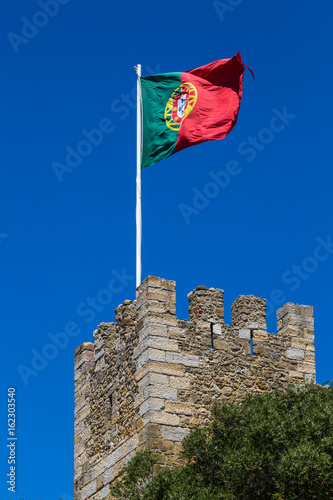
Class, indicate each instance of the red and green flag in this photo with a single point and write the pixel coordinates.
(184, 109)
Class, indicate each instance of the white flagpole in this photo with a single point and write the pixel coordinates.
(138, 179)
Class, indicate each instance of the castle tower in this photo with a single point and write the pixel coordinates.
(149, 378)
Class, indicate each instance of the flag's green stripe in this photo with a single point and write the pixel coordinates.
(158, 140)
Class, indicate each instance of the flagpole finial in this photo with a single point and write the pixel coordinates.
(138, 69)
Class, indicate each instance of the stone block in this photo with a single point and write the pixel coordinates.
(259, 336)
(89, 490)
(162, 368)
(155, 306)
(165, 393)
(139, 399)
(151, 404)
(78, 472)
(306, 368)
(153, 379)
(148, 432)
(161, 418)
(203, 325)
(100, 482)
(160, 343)
(156, 282)
(289, 331)
(182, 359)
(151, 355)
(82, 414)
(302, 343)
(131, 444)
(80, 403)
(120, 452)
(158, 330)
(99, 468)
(293, 353)
(111, 459)
(105, 492)
(285, 309)
(176, 333)
(179, 383)
(163, 344)
(179, 408)
(108, 476)
(161, 445)
(244, 333)
(304, 310)
(217, 329)
(154, 319)
(174, 433)
(79, 449)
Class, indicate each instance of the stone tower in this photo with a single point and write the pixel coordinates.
(149, 378)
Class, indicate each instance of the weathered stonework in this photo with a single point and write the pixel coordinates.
(149, 378)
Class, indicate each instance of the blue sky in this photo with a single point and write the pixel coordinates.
(268, 231)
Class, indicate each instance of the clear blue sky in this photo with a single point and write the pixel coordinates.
(61, 242)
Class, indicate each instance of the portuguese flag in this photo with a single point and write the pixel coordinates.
(184, 109)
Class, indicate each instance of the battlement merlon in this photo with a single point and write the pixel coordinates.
(249, 311)
(156, 298)
(295, 323)
(206, 304)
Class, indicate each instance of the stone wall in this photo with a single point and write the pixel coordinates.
(149, 378)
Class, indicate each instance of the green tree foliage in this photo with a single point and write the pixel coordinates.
(276, 446)
(135, 476)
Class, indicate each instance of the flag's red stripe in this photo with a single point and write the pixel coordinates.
(219, 86)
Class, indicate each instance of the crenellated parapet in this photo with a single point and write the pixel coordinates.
(149, 377)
